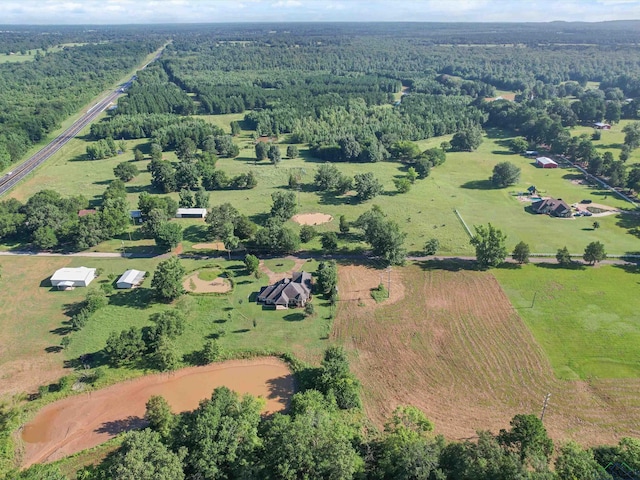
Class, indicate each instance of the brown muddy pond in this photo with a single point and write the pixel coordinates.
(84, 421)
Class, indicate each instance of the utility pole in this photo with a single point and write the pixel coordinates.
(544, 405)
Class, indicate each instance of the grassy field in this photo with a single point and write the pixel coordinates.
(450, 342)
(587, 322)
(611, 140)
(427, 211)
(34, 317)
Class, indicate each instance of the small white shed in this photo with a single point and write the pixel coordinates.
(131, 279)
(67, 278)
(191, 213)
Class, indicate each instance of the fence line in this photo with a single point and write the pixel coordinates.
(464, 224)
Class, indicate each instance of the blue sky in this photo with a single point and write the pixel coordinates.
(189, 11)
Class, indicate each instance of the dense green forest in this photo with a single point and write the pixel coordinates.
(35, 97)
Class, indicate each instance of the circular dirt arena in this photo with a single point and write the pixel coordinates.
(312, 218)
(193, 283)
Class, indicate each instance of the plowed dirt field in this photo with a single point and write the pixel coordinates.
(452, 344)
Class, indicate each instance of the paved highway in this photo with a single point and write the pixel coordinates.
(25, 168)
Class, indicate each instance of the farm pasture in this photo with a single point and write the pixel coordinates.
(455, 347)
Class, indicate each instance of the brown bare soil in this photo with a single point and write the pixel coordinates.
(277, 276)
(29, 316)
(195, 284)
(84, 421)
(312, 218)
(454, 346)
(209, 246)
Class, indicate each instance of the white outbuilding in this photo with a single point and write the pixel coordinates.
(131, 279)
(191, 213)
(68, 278)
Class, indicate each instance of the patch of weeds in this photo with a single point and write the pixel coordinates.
(379, 294)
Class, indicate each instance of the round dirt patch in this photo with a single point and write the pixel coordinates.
(193, 283)
(312, 218)
(209, 246)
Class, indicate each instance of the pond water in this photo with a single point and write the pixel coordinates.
(84, 421)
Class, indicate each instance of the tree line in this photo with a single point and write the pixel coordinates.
(323, 435)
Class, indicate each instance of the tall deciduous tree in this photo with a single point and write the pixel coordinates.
(489, 243)
(594, 253)
(505, 174)
(521, 253)
(143, 456)
(167, 279)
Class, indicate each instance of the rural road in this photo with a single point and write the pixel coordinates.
(25, 168)
(534, 258)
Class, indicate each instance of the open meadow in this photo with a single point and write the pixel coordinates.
(34, 318)
(450, 342)
(427, 211)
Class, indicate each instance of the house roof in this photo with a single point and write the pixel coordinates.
(192, 211)
(132, 277)
(551, 205)
(545, 161)
(601, 124)
(87, 211)
(73, 274)
(298, 287)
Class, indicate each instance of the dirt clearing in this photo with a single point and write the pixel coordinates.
(219, 246)
(193, 283)
(312, 218)
(84, 421)
(277, 276)
(454, 346)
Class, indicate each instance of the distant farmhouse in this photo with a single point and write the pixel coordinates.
(288, 292)
(601, 126)
(131, 279)
(546, 162)
(553, 207)
(70, 278)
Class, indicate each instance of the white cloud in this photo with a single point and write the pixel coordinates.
(153, 11)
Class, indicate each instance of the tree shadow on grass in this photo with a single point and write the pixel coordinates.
(140, 298)
(501, 152)
(479, 185)
(140, 189)
(123, 425)
(556, 266)
(53, 349)
(573, 176)
(294, 317)
(195, 233)
(92, 360)
(64, 330)
(328, 198)
(449, 264)
(241, 330)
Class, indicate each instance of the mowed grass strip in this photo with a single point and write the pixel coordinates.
(587, 321)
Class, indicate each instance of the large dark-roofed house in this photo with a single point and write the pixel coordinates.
(288, 292)
(551, 206)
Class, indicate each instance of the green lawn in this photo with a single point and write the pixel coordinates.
(611, 140)
(235, 318)
(279, 265)
(587, 322)
(426, 211)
